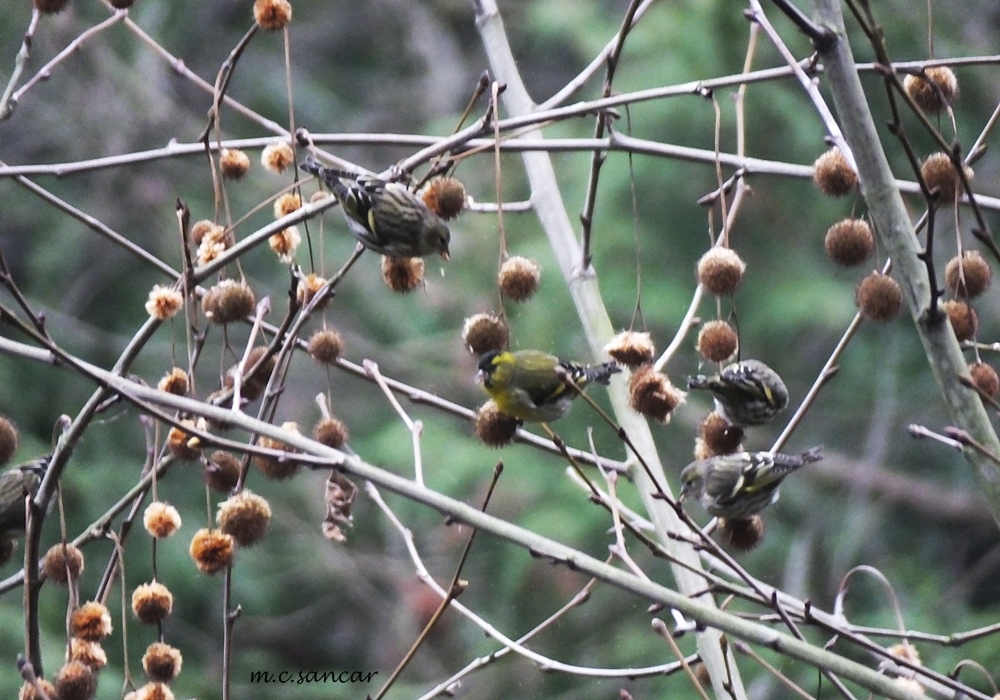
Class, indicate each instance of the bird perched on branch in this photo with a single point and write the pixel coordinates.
(739, 485)
(534, 386)
(16, 483)
(746, 393)
(385, 217)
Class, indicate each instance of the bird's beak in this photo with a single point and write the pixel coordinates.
(446, 255)
(481, 376)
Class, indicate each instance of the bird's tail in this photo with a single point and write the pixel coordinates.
(601, 374)
(811, 455)
(330, 176)
(701, 382)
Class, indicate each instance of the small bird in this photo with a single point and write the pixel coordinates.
(16, 483)
(385, 217)
(738, 485)
(746, 393)
(531, 385)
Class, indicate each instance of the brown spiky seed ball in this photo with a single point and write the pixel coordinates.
(833, 174)
(273, 467)
(483, 333)
(162, 662)
(985, 378)
(494, 428)
(325, 346)
(205, 227)
(8, 439)
(631, 348)
(879, 297)
(75, 681)
(228, 301)
(153, 691)
(212, 550)
(402, 275)
(905, 651)
(255, 380)
(174, 382)
(936, 89)
(161, 519)
(285, 242)
(968, 276)
(277, 157)
(89, 653)
(222, 471)
(245, 517)
(651, 394)
(307, 288)
(742, 534)
(445, 196)
(963, 318)
(518, 278)
(163, 302)
(234, 163)
(849, 242)
(720, 271)
(939, 173)
(152, 602)
(63, 563)
(721, 437)
(272, 15)
(91, 621)
(50, 7)
(717, 341)
(331, 432)
(28, 691)
(286, 204)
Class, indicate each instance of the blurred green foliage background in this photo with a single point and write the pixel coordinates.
(409, 67)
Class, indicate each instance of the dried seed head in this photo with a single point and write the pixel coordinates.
(234, 163)
(720, 437)
(162, 662)
(50, 7)
(964, 320)
(833, 175)
(273, 467)
(325, 346)
(245, 517)
(494, 428)
(152, 602)
(307, 288)
(484, 332)
(206, 228)
(934, 93)
(88, 653)
(164, 302)
(968, 276)
(905, 651)
(879, 297)
(255, 381)
(631, 348)
(285, 242)
(28, 691)
(161, 519)
(331, 432)
(717, 341)
(985, 378)
(212, 550)
(8, 439)
(402, 275)
(75, 681)
(850, 242)
(174, 382)
(742, 534)
(91, 622)
(286, 204)
(222, 471)
(939, 173)
(184, 445)
(63, 563)
(153, 691)
(445, 196)
(272, 15)
(228, 301)
(518, 278)
(277, 157)
(720, 271)
(651, 394)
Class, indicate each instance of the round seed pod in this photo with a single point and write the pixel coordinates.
(879, 297)
(935, 90)
(234, 163)
(850, 242)
(968, 276)
(720, 271)
(833, 174)
(717, 341)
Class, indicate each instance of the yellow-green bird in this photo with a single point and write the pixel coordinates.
(16, 483)
(531, 385)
